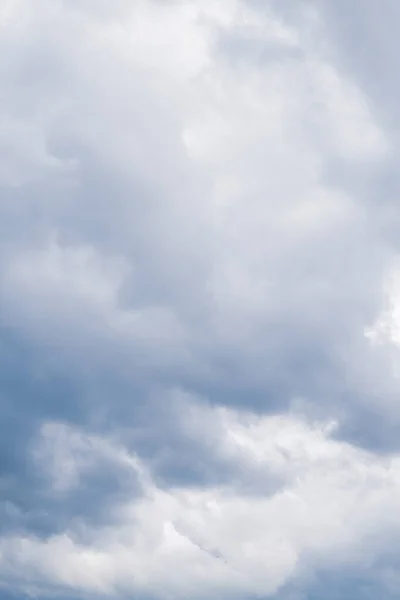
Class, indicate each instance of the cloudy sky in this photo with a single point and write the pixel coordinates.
(199, 299)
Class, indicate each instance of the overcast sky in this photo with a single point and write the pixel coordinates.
(199, 299)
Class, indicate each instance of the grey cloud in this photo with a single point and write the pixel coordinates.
(211, 217)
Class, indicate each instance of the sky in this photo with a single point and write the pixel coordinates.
(199, 299)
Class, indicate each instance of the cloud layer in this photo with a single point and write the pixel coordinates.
(330, 504)
(199, 299)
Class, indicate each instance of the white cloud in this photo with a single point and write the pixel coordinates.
(337, 504)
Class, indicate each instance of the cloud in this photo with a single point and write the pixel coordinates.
(198, 219)
(168, 162)
(337, 505)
